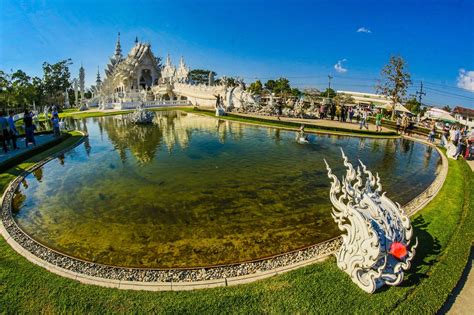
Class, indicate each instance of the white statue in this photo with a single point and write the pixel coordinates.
(141, 116)
(375, 249)
(66, 99)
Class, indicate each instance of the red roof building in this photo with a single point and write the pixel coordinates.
(464, 115)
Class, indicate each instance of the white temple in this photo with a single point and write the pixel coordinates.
(141, 79)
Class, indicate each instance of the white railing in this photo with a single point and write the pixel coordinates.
(149, 104)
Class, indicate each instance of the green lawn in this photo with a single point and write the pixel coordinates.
(444, 229)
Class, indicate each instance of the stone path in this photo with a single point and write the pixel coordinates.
(471, 164)
(462, 300)
(40, 139)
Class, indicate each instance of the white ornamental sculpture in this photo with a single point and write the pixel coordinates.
(375, 249)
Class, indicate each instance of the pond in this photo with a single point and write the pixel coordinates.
(192, 190)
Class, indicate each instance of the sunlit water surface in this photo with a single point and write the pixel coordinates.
(193, 190)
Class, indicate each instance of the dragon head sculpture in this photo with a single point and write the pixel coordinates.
(375, 248)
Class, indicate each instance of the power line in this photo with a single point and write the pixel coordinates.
(449, 93)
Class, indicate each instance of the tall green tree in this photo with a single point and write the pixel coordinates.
(56, 79)
(394, 82)
(6, 95)
(280, 87)
(23, 90)
(413, 105)
(329, 92)
(201, 76)
(256, 87)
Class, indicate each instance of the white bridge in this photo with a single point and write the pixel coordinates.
(150, 104)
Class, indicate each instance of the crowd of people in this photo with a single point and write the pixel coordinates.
(9, 132)
(458, 142)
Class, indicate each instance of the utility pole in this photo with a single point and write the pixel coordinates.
(329, 88)
(420, 93)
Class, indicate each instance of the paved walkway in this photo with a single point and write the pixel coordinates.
(40, 139)
(462, 300)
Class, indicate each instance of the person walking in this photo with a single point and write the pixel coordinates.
(399, 124)
(4, 134)
(405, 124)
(12, 129)
(351, 113)
(378, 121)
(333, 111)
(55, 122)
(29, 129)
(363, 119)
(322, 112)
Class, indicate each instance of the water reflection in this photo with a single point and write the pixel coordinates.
(193, 190)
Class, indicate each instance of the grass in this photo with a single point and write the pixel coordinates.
(443, 227)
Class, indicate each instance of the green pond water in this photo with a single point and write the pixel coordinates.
(193, 190)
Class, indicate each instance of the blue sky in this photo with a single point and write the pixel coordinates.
(300, 40)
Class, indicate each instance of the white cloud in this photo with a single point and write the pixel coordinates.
(466, 80)
(363, 30)
(339, 68)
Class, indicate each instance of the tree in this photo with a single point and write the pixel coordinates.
(201, 76)
(256, 87)
(6, 95)
(23, 90)
(413, 105)
(56, 80)
(329, 91)
(270, 85)
(394, 82)
(280, 87)
(295, 92)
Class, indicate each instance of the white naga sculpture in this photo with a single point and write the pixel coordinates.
(141, 116)
(374, 250)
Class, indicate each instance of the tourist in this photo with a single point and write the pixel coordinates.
(351, 113)
(322, 113)
(338, 113)
(378, 121)
(445, 137)
(333, 111)
(4, 134)
(469, 149)
(12, 129)
(54, 112)
(218, 100)
(55, 122)
(29, 128)
(363, 119)
(399, 123)
(343, 113)
(405, 124)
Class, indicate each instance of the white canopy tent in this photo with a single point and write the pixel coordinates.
(439, 115)
(398, 108)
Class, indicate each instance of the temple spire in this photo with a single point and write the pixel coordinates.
(136, 40)
(98, 81)
(118, 49)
